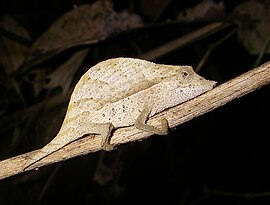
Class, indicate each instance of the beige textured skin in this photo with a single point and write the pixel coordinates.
(122, 92)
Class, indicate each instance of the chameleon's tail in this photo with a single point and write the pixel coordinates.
(56, 144)
(41, 153)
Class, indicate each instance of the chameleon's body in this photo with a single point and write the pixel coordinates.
(122, 92)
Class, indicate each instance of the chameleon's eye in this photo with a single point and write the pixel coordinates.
(184, 74)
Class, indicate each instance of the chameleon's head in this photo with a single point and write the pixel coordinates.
(179, 84)
(191, 83)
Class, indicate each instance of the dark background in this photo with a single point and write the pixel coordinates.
(220, 158)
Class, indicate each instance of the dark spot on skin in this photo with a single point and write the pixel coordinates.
(103, 115)
(109, 119)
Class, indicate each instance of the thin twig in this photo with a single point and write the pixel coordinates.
(211, 100)
(182, 41)
(47, 185)
(262, 52)
(210, 50)
(247, 196)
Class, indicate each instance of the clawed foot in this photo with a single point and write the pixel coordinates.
(164, 129)
(141, 124)
(108, 147)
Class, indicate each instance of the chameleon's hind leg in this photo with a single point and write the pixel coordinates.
(141, 123)
(106, 133)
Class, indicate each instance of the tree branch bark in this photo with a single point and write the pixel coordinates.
(184, 112)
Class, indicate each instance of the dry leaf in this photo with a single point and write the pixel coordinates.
(86, 24)
(12, 53)
(153, 9)
(109, 169)
(40, 80)
(104, 173)
(16, 136)
(207, 10)
(63, 75)
(253, 21)
(3, 103)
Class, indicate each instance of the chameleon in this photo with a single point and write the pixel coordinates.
(122, 92)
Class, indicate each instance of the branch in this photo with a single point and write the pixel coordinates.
(184, 112)
(182, 41)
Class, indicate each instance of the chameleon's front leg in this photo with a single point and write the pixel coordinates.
(141, 121)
